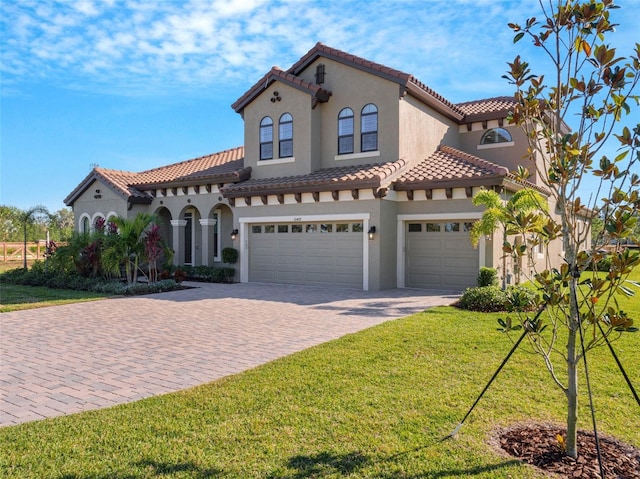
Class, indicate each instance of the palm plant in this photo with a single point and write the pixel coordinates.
(126, 248)
(520, 214)
(28, 218)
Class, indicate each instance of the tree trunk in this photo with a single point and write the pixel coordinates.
(572, 375)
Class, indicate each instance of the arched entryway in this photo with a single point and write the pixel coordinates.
(216, 229)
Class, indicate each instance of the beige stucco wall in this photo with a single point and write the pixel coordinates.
(298, 104)
(88, 204)
(422, 130)
(352, 88)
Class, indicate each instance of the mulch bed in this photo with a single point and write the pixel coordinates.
(537, 444)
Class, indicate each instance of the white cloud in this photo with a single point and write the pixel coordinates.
(155, 46)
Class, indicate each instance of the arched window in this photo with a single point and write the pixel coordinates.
(85, 226)
(285, 135)
(369, 128)
(345, 131)
(495, 135)
(266, 138)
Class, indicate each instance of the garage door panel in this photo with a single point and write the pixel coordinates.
(310, 257)
(440, 259)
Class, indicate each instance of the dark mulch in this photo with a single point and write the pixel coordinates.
(537, 444)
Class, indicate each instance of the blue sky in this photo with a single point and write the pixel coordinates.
(137, 84)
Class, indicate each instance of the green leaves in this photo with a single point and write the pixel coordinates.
(506, 325)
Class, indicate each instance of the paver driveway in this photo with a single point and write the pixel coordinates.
(65, 359)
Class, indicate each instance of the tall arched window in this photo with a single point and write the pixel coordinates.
(285, 135)
(85, 227)
(345, 131)
(495, 135)
(266, 138)
(369, 128)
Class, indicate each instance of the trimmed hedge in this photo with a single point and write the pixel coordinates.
(493, 299)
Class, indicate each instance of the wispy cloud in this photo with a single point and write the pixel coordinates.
(136, 47)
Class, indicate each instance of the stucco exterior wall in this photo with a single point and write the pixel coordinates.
(98, 200)
(422, 130)
(352, 88)
(298, 104)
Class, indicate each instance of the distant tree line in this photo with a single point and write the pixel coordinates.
(38, 221)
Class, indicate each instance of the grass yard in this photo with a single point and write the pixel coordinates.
(376, 404)
(16, 297)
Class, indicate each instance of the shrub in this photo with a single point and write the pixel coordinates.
(483, 298)
(487, 277)
(229, 255)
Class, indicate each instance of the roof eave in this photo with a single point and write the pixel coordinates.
(433, 102)
(317, 188)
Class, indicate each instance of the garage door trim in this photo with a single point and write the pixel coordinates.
(401, 252)
(244, 237)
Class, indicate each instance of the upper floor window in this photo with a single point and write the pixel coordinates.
(285, 134)
(495, 135)
(345, 131)
(369, 128)
(266, 138)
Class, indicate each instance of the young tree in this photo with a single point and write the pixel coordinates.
(590, 89)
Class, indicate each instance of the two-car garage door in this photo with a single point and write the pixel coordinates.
(314, 253)
(439, 255)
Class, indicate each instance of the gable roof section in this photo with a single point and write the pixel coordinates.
(327, 179)
(408, 82)
(448, 168)
(223, 167)
(318, 94)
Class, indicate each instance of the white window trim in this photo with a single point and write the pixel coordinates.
(496, 145)
(356, 156)
(246, 222)
(276, 161)
(401, 252)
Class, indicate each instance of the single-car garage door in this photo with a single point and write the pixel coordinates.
(439, 255)
(328, 253)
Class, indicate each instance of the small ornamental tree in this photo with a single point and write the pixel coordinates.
(589, 89)
(153, 249)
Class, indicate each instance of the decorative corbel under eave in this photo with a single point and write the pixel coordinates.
(208, 187)
(380, 192)
(468, 191)
(185, 190)
(355, 193)
(429, 194)
(247, 200)
(232, 202)
(410, 195)
(335, 194)
(449, 193)
(174, 191)
(316, 196)
(298, 197)
(264, 199)
(281, 198)
(197, 189)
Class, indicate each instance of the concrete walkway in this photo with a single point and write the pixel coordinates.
(66, 359)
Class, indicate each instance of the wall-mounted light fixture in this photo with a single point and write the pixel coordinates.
(234, 234)
(372, 232)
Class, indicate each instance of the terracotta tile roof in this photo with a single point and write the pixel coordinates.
(225, 166)
(316, 91)
(448, 168)
(328, 179)
(487, 109)
(217, 165)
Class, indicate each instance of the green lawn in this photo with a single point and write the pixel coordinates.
(376, 404)
(16, 297)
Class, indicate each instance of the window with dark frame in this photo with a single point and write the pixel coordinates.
(369, 128)
(345, 131)
(285, 134)
(495, 136)
(266, 138)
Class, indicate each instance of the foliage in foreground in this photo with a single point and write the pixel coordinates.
(376, 404)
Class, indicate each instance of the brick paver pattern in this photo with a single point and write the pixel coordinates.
(71, 358)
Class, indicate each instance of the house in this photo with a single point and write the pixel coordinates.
(352, 174)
